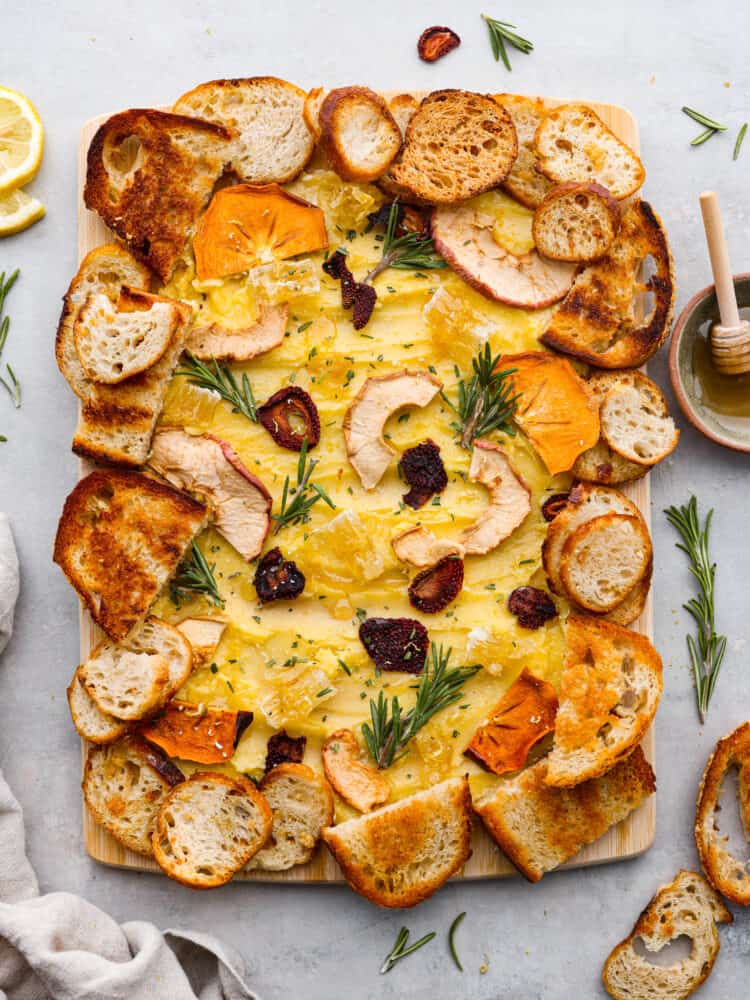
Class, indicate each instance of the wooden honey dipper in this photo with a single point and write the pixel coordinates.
(730, 339)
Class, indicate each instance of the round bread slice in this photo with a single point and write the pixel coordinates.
(632, 606)
(302, 804)
(209, 827)
(358, 133)
(124, 784)
(525, 182)
(90, 722)
(576, 222)
(600, 464)
(604, 559)
(635, 423)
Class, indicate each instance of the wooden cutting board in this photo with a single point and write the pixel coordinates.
(628, 839)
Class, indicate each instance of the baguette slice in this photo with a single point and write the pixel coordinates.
(311, 110)
(399, 855)
(120, 538)
(209, 827)
(302, 804)
(124, 784)
(632, 607)
(576, 222)
(573, 144)
(525, 182)
(90, 722)
(272, 140)
(609, 692)
(539, 827)
(687, 906)
(358, 133)
(224, 343)
(403, 107)
(635, 424)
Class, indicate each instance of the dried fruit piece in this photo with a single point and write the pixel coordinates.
(277, 578)
(531, 606)
(435, 588)
(395, 643)
(424, 471)
(409, 218)
(355, 780)
(523, 716)
(418, 546)
(284, 749)
(355, 295)
(436, 42)
(510, 499)
(553, 505)
(285, 408)
(195, 732)
(365, 298)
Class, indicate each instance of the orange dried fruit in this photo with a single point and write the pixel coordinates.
(195, 732)
(523, 716)
(436, 42)
(250, 224)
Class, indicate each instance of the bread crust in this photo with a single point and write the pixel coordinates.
(334, 145)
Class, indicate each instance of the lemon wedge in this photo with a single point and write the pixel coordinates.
(18, 211)
(21, 140)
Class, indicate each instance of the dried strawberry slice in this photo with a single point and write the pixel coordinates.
(553, 505)
(365, 298)
(436, 42)
(424, 471)
(395, 643)
(278, 412)
(284, 749)
(531, 606)
(277, 578)
(437, 586)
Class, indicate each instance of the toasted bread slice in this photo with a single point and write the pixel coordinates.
(402, 107)
(525, 182)
(302, 804)
(573, 144)
(149, 175)
(209, 827)
(687, 906)
(539, 827)
(225, 343)
(576, 222)
(399, 855)
(632, 606)
(609, 692)
(635, 423)
(124, 785)
(727, 874)
(458, 144)
(311, 110)
(120, 538)
(272, 140)
(598, 320)
(90, 722)
(358, 133)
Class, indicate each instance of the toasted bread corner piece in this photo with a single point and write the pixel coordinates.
(91, 723)
(540, 828)
(686, 906)
(358, 133)
(401, 854)
(577, 222)
(525, 182)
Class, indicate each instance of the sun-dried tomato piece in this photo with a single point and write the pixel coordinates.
(395, 643)
(436, 42)
(277, 578)
(285, 406)
(437, 586)
(284, 749)
(531, 606)
(424, 471)
(553, 505)
(355, 295)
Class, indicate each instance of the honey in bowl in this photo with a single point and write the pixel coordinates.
(728, 396)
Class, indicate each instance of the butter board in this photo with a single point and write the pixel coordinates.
(628, 839)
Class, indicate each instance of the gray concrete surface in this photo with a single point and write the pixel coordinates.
(78, 60)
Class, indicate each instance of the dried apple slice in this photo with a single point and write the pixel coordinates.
(223, 343)
(419, 547)
(510, 499)
(198, 733)
(356, 781)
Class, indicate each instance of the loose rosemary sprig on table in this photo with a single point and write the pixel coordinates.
(452, 942)
(710, 125)
(500, 33)
(707, 651)
(400, 949)
(410, 252)
(195, 576)
(392, 729)
(485, 401)
(13, 386)
(297, 500)
(740, 139)
(220, 379)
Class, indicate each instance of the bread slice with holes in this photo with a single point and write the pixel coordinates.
(272, 142)
(686, 906)
(539, 828)
(573, 144)
(209, 827)
(302, 805)
(358, 133)
(636, 424)
(609, 691)
(576, 222)
(525, 182)
(90, 722)
(601, 464)
(399, 855)
(124, 784)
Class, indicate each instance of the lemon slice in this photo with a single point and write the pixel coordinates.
(18, 211)
(21, 140)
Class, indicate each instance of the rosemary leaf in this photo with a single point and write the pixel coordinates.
(485, 401)
(298, 500)
(703, 120)
(195, 576)
(500, 33)
(220, 379)
(740, 139)
(451, 940)
(409, 252)
(703, 137)
(400, 950)
(13, 386)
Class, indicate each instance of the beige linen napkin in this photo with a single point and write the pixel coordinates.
(9, 581)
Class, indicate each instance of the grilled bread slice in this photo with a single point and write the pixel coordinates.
(525, 182)
(727, 874)
(120, 538)
(209, 827)
(358, 133)
(458, 144)
(576, 222)
(223, 343)
(124, 785)
(609, 692)
(687, 906)
(636, 424)
(399, 855)
(573, 144)
(272, 142)
(90, 722)
(149, 174)
(598, 321)
(540, 828)
(302, 804)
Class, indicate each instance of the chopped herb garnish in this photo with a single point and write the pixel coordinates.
(305, 326)
(324, 692)
(347, 669)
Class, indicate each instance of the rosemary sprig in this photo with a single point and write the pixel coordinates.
(451, 942)
(392, 729)
(297, 500)
(500, 34)
(13, 387)
(707, 651)
(485, 401)
(400, 950)
(710, 125)
(195, 576)
(410, 252)
(220, 379)
(740, 139)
